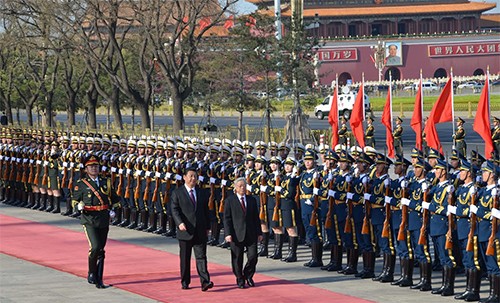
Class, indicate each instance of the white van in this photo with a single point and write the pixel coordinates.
(345, 105)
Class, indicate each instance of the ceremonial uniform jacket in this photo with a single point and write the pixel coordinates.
(397, 194)
(484, 205)
(438, 209)
(340, 186)
(463, 199)
(377, 199)
(416, 195)
(358, 190)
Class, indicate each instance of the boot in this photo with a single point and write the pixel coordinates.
(278, 247)
(2, 194)
(327, 245)
(391, 263)
(449, 289)
(317, 254)
(100, 273)
(31, 199)
(69, 207)
(352, 265)
(56, 201)
(6, 197)
(36, 201)
(152, 222)
(332, 259)
(369, 265)
(144, 220)
(43, 202)
(50, 203)
(171, 230)
(494, 288)
(408, 273)
(92, 274)
(118, 217)
(384, 269)
(402, 268)
(475, 282)
(337, 255)
(125, 217)
(24, 199)
(426, 286)
(214, 234)
(443, 283)
(134, 216)
(292, 253)
(468, 288)
(263, 249)
(163, 224)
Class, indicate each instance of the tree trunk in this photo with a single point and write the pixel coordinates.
(143, 111)
(71, 108)
(115, 108)
(29, 114)
(178, 114)
(240, 126)
(92, 104)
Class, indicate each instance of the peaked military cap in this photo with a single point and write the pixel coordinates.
(416, 153)
(465, 165)
(441, 164)
(434, 153)
(91, 160)
(382, 159)
(460, 120)
(310, 155)
(401, 160)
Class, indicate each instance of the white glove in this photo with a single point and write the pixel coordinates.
(331, 193)
(472, 190)
(32, 161)
(405, 201)
(113, 169)
(120, 171)
(495, 213)
(315, 175)
(72, 165)
(277, 189)
(425, 186)
(494, 192)
(201, 178)
(452, 209)
(315, 191)
(365, 180)
(112, 214)
(479, 179)
(263, 188)
(249, 187)
(403, 184)
(80, 206)
(308, 202)
(349, 196)
(451, 189)
(223, 182)
(104, 168)
(45, 163)
(158, 175)
(148, 174)
(367, 197)
(425, 205)
(294, 171)
(212, 180)
(65, 164)
(178, 177)
(473, 209)
(387, 200)
(348, 178)
(129, 171)
(168, 175)
(387, 182)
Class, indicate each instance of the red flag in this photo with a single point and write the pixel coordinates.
(333, 116)
(442, 111)
(417, 118)
(205, 22)
(387, 121)
(358, 116)
(229, 22)
(482, 124)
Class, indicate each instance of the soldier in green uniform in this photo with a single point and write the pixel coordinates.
(95, 197)
(370, 133)
(397, 134)
(495, 136)
(459, 137)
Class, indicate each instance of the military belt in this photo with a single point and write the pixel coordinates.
(95, 208)
(306, 196)
(339, 202)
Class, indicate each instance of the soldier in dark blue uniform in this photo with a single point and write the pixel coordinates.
(95, 198)
(483, 210)
(438, 207)
(289, 210)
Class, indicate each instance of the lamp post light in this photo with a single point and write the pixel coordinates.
(379, 57)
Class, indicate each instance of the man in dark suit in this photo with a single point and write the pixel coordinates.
(190, 213)
(242, 230)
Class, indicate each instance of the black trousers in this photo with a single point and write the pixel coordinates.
(97, 238)
(199, 246)
(237, 250)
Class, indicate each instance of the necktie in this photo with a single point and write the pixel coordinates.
(193, 199)
(243, 205)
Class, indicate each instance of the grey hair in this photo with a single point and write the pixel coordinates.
(240, 179)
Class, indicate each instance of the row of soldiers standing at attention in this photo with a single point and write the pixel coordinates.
(349, 200)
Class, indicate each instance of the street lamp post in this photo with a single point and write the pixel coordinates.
(379, 58)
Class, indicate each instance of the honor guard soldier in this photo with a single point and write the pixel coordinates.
(463, 194)
(487, 214)
(403, 246)
(459, 137)
(397, 134)
(438, 230)
(273, 206)
(495, 136)
(417, 191)
(380, 185)
(343, 132)
(289, 210)
(309, 203)
(370, 133)
(258, 179)
(328, 172)
(95, 198)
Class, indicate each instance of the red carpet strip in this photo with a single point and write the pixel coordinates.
(147, 272)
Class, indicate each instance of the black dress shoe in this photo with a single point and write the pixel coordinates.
(207, 286)
(185, 286)
(250, 282)
(241, 286)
